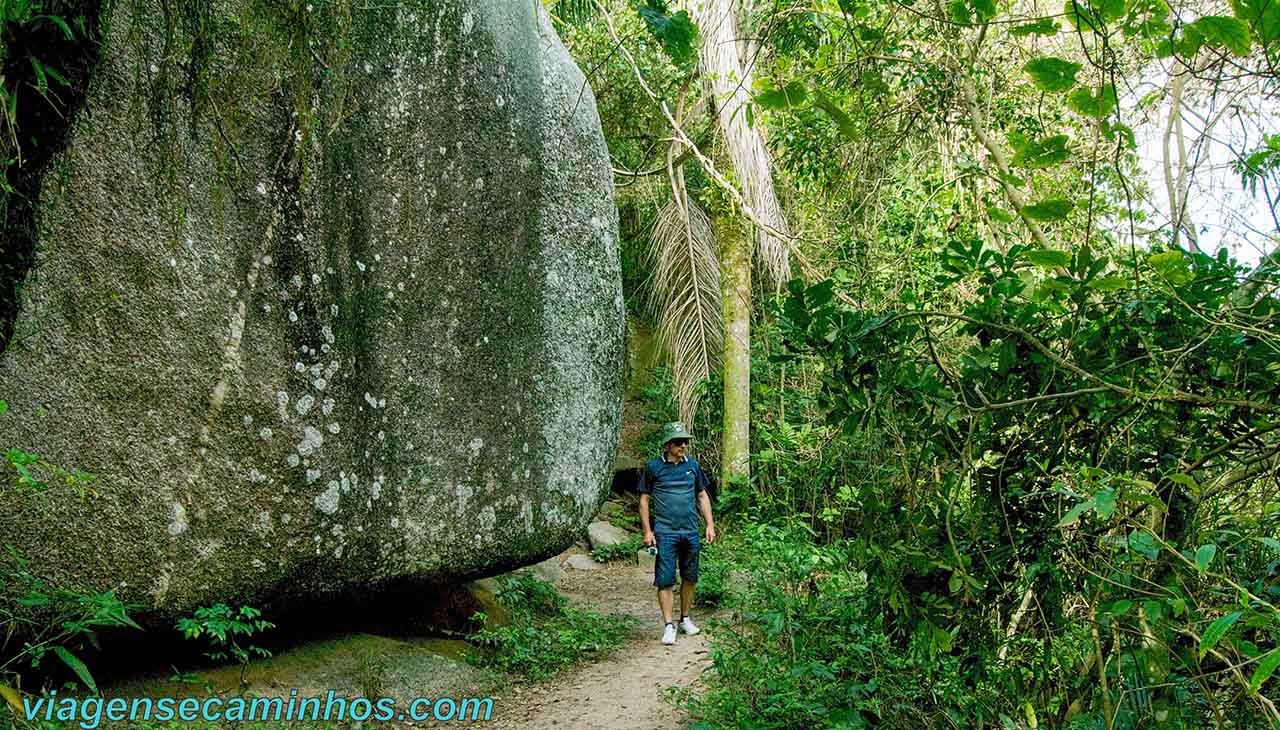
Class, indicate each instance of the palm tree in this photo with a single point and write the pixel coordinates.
(721, 60)
(700, 297)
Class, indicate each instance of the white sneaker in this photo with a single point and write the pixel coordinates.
(686, 625)
(669, 635)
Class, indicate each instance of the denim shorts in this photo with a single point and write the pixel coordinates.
(673, 546)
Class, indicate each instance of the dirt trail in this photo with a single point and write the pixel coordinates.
(625, 690)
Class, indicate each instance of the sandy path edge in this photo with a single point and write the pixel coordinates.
(623, 690)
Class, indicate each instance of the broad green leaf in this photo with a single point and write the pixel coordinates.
(772, 97)
(1093, 15)
(984, 9)
(1263, 16)
(1052, 74)
(1043, 153)
(843, 121)
(14, 699)
(1051, 209)
(77, 666)
(1071, 517)
(1043, 26)
(1142, 542)
(1120, 607)
(967, 12)
(1265, 669)
(3, 407)
(994, 213)
(1270, 542)
(675, 31)
(1185, 480)
(1097, 105)
(1106, 501)
(1216, 631)
(1049, 259)
(1172, 265)
(1148, 19)
(1204, 556)
(1109, 283)
(1229, 33)
(821, 294)
(1188, 42)
(66, 30)
(1150, 499)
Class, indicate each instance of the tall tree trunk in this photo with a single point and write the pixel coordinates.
(731, 81)
(1178, 186)
(735, 287)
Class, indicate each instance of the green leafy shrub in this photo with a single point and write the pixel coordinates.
(222, 628)
(625, 521)
(545, 635)
(622, 551)
(805, 649)
(713, 576)
(51, 621)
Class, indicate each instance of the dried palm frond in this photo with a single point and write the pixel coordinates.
(684, 295)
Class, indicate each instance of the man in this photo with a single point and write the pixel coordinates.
(675, 487)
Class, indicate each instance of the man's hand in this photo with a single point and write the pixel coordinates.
(649, 539)
(711, 533)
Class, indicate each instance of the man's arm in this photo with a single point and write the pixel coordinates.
(704, 506)
(644, 487)
(649, 539)
(701, 485)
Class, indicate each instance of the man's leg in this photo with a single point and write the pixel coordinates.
(664, 579)
(686, 597)
(690, 550)
(665, 599)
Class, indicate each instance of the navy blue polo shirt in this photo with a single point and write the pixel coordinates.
(673, 490)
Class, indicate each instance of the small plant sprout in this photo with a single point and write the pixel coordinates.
(223, 628)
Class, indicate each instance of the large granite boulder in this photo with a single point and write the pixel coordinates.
(355, 319)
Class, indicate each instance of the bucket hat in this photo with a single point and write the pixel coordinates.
(674, 430)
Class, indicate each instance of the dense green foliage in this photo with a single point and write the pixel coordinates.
(1014, 428)
(1089, 434)
(545, 635)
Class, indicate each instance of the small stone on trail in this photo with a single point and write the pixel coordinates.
(549, 570)
(582, 562)
(603, 534)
